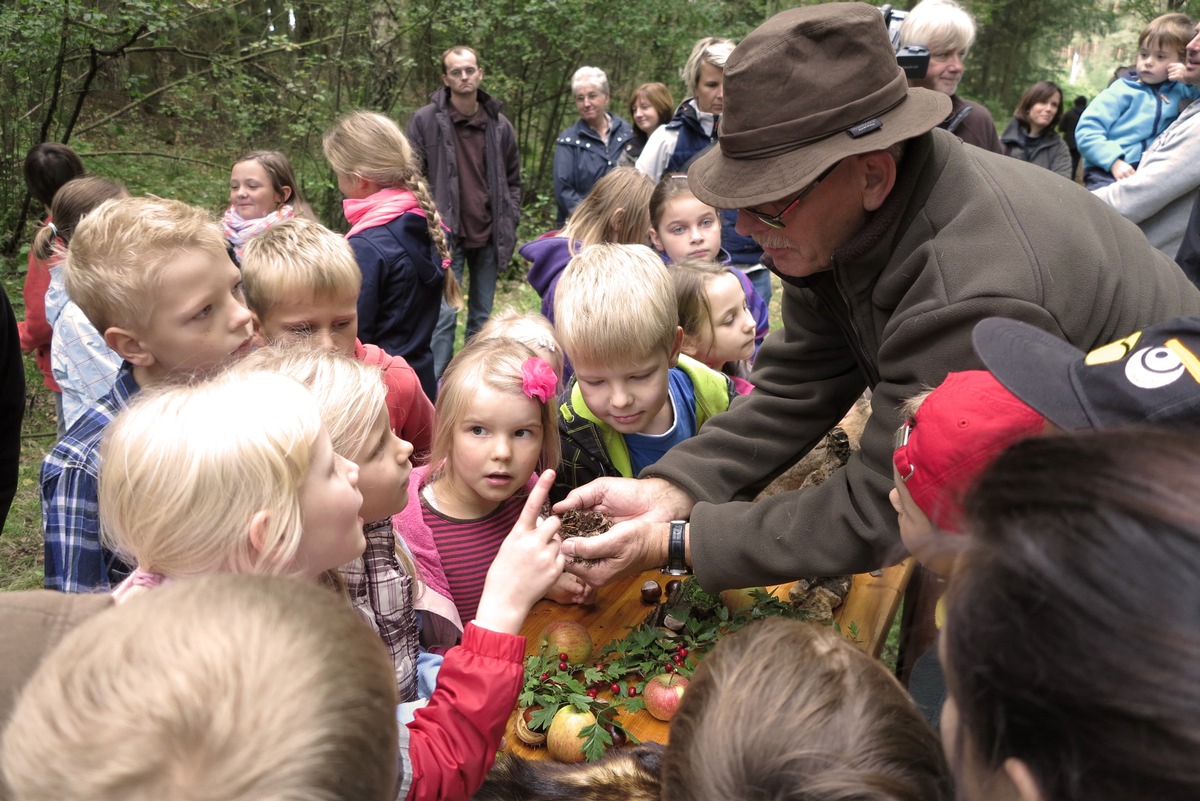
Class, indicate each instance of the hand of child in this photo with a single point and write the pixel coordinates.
(570, 589)
(529, 562)
(1121, 170)
(1176, 72)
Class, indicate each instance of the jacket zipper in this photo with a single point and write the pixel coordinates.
(839, 307)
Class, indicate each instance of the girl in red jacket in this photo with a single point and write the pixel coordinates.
(47, 167)
(245, 479)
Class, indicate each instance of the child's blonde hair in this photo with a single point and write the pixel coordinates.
(497, 363)
(187, 468)
(532, 329)
(1168, 32)
(113, 263)
(297, 258)
(371, 146)
(615, 304)
(76, 198)
(808, 715)
(349, 394)
(616, 210)
(228, 687)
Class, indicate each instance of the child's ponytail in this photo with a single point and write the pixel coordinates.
(43, 241)
(75, 199)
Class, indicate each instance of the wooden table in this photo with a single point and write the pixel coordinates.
(869, 609)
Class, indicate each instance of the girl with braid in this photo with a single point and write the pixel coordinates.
(397, 236)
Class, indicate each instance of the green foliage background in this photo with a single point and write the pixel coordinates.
(163, 94)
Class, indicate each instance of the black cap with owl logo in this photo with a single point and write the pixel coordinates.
(1151, 377)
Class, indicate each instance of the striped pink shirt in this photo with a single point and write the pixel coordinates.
(467, 548)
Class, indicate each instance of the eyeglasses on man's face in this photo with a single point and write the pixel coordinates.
(590, 97)
(463, 72)
(776, 220)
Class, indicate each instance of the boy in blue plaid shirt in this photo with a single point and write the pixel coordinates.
(153, 276)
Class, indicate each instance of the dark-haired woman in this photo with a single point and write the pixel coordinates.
(1030, 134)
(1072, 633)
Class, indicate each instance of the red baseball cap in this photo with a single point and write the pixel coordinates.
(959, 429)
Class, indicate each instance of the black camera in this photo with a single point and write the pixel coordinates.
(913, 59)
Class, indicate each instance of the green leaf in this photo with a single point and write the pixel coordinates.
(596, 740)
(540, 719)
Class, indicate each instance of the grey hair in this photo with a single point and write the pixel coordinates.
(590, 76)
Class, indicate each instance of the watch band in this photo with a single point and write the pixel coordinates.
(676, 563)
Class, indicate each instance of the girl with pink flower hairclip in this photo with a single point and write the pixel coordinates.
(496, 428)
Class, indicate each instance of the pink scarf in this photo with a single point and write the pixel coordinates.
(380, 209)
(239, 230)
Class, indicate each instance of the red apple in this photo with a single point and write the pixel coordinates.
(566, 637)
(563, 740)
(663, 693)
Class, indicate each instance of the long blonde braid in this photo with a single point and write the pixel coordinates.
(451, 290)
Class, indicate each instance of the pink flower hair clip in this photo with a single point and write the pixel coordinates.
(538, 380)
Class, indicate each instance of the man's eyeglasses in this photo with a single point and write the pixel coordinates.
(776, 220)
(465, 72)
(591, 97)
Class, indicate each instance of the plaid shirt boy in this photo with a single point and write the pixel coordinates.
(75, 559)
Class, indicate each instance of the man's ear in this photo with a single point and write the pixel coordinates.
(126, 345)
(674, 360)
(1023, 780)
(258, 530)
(878, 172)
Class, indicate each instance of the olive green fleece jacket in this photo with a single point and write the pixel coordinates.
(965, 234)
(592, 448)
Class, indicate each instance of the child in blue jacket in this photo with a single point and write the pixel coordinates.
(1126, 117)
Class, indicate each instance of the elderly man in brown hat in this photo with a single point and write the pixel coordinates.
(892, 239)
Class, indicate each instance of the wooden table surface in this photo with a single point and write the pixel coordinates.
(869, 609)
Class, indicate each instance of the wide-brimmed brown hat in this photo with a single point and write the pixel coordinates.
(804, 90)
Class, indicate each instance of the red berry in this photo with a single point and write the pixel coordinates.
(669, 668)
(563, 665)
(632, 691)
(677, 659)
(683, 652)
(545, 676)
(563, 657)
(616, 689)
(592, 693)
